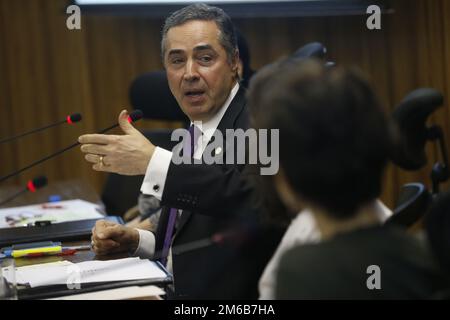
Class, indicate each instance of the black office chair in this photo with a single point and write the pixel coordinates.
(413, 202)
(314, 50)
(150, 93)
(310, 50)
(437, 227)
(408, 153)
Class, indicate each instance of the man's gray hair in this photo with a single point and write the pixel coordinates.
(201, 11)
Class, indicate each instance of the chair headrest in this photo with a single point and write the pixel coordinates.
(310, 50)
(150, 93)
(410, 118)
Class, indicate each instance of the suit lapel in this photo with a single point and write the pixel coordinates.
(236, 107)
(185, 215)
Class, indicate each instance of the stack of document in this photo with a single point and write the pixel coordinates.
(55, 212)
(126, 293)
(74, 274)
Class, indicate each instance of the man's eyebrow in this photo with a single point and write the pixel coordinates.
(203, 47)
(175, 51)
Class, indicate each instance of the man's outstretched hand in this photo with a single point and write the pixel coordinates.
(127, 154)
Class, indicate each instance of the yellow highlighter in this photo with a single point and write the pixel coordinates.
(36, 252)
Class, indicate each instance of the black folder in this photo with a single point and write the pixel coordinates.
(54, 291)
(64, 231)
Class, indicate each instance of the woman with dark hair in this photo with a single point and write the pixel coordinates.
(334, 142)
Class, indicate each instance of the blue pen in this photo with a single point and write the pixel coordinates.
(8, 253)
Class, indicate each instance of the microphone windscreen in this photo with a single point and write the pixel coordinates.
(135, 116)
(75, 117)
(410, 118)
(40, 181)
(36, 183)
(150, 93)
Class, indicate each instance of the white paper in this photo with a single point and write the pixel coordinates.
(56, 212)
(133, 292)
(88, 272)
(25, 273)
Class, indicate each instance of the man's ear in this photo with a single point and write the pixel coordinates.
(240, 70)
(235, 63)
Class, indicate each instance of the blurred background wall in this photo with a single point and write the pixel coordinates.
(48, 71)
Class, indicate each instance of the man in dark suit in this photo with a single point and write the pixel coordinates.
(200, 200)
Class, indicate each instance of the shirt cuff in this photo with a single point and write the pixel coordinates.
(146, 247)
(156, 174)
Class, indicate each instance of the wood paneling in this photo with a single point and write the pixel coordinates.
(48, 71)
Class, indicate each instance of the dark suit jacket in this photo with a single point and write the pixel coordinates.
(215, 198)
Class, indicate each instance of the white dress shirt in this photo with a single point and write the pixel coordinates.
(302, 230)
(156, 174)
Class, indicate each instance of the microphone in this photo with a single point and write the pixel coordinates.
(70, 119)
(32, 186)
(237, 236)
(132, 117)
(410, 118)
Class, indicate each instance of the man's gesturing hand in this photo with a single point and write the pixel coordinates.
(108, 237)
(127, 154)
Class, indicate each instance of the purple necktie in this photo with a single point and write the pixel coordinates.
(173, 212)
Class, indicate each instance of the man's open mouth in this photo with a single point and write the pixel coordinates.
(194, 93)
